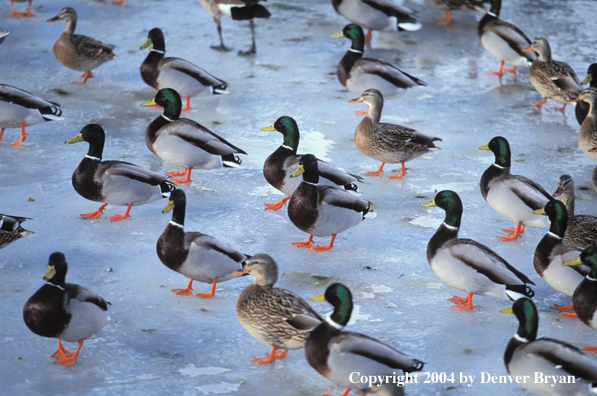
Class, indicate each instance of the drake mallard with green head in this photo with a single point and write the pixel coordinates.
(514, 197)
(79, 52)
(114, 182)
(504, 40)
(525, 355)
(276, 317)
(466, 264)
(554, 80)
(585, 295)
(338, 354)
(66, 311)
(197, 256)
(551, 253)
(184, 142)
(358, 74)
(19, 108)
(388, 143)
(582, 108)
(11, 229)
(380, 15)
(323, 210)
(581, 230)
(181, 75)
(282, 162)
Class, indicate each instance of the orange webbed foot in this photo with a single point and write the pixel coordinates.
(68, 361)
(568, 314)
(590, 349)
(187, 176)
(463, 303)
(401, 174)
(175, 173)
(446, 19)
(378, 171)
(320, 248)
(276, 205)
(563, 308)
(515, 233)
(539, 104)
(86, 76)
(95, 214)
(273, 355)
(61, 351)
(307, 244)
(119, 217)
(561, 109)
(211, 293)
(184, 292)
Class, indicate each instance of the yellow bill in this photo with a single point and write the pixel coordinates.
(507, 310)
(337, 35)
(146, 44)
(149, 103)
(49, 273)
(168, 207)
(428, 204)
(587, 79)
(320, 297)
(486, 147)
(574, 262)
(540, 211)
(76, 139)
(268, 128)
(299, 171)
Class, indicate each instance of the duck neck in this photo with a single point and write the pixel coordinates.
(375, 110)
(496, 5)
(311, 177)
(453, 214)
(341, 314)
(559, 224)
(71, 24)
(172, 110)
(567, 198)
(291, 140)
(178, 214)
(96, 149)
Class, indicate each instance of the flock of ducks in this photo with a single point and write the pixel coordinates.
(322, 201)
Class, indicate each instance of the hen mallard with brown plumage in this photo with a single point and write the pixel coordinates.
(389, 143)
(276, 317)
(582, 229)
(79, 52)
(587, 133)
(554, 80)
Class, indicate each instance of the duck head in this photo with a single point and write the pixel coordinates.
(589, 258)
(170, 100)
(355, 34)
(57, 267)
(95, 136)
(500, 147)
(308, 168)
(264, 267)
(558, 216)
(178, 202)
(341, 299)
(155, 37)
(451, 203)
(288, 127)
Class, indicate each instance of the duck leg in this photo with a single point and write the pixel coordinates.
(568, 314)
(184, 292)
(118, 2)
(186, 173)
(446, 19)
(253, 49)
(502, 70)
(377, 172)
(307, 244)
(211, 293)
(86, 75)
(22, 14)
(2, 133)
(461, 302)
(61, 351)
(70, 360)
(276, 205)
(188, 106)
(96, 214)
(514, 233)
(220, 47)
(402, 172)
(330, 245)
(273, 355)
(369, 35)
(590, 349)
(539, 104)
(562, 109)
(118, 217)
(23, 135)
(345, 392)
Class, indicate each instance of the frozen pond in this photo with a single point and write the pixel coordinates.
(157, 343)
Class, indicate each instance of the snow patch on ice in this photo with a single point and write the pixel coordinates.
(193, 371)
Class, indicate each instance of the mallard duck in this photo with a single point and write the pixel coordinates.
(184, 142)
(582, 229)
(468, 265)
(183, 76)
(3, 34)
(239, 10)
(195, 255)
(19, 108)
(551, 253)
(587, 134)
(282, 162)
(452, 5)
(322, 210)
(582, 108)
(585, 295)
(22, 14)
(276, 317)
(553, 79)
(66, 311)
(504, 40)
(338, 355)
(381, 15)
(513, 196)
(79, 52)
(114, 182)
(388, 142)
(358, 74)
(573, 372)
(11, 229)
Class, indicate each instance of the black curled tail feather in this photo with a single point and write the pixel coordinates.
(351, 187)
(53, 111)
(231, 158)
(167, 187)
(521, 289)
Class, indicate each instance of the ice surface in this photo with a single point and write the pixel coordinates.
(157, 343)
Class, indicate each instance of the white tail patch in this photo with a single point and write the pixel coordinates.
(232, 164)
(409, 26)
